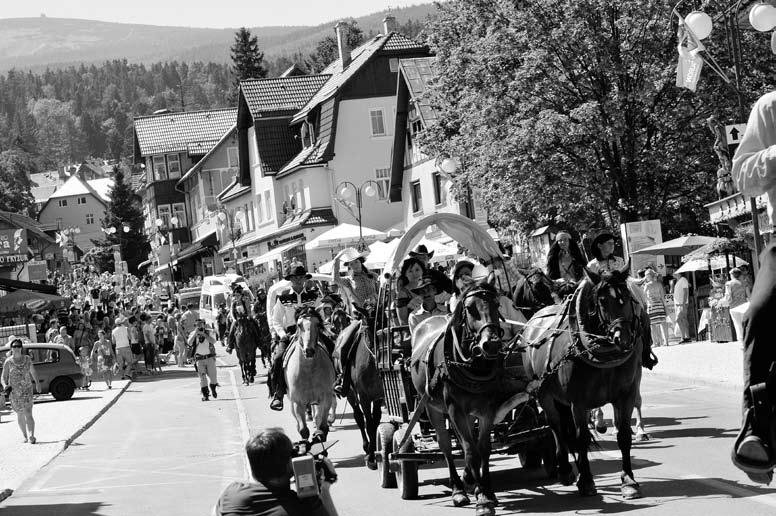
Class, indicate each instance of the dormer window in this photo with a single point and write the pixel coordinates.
(308, 134)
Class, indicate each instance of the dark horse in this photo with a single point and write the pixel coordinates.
(366, 392)
(586, 353)
(246, 339)
(533, 291)
(457, 367)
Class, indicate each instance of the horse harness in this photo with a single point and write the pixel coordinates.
(306, 312)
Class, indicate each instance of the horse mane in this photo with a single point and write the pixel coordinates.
(586, 302)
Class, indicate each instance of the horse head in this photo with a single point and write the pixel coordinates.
(477, 313)
(339, 320)
(533, 290)
(308, 324)
(606, 307)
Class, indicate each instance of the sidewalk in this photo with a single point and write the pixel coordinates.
(57, 424)
(718, 363)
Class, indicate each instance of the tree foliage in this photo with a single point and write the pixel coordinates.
(124, 209)
(15, 169)
(566, 112)
(247, 58)
(327, 49)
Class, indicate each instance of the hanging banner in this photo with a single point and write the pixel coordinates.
(13, 242)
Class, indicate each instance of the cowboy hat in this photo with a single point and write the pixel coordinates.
(350, 254)
(478, 270)
(602, 237)
(421, 250)
(298, 270)
(428, 279)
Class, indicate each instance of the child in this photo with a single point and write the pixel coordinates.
(85, 362)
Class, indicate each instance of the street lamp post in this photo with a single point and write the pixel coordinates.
(762, 17)
(369, 188)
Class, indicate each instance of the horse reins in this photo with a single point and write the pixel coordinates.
(468, 334)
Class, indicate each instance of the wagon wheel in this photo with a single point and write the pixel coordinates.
(384, 444)
(407, 473)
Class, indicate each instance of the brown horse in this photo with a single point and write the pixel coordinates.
(246, 339)
(366, 390)
(533, 291)
(587, 353)
(457, 366)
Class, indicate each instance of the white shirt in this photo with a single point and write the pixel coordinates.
(681, 291)
(120, 336)
(284, 316)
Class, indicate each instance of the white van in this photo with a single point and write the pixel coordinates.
(217, 290)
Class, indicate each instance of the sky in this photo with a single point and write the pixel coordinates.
(202, 13)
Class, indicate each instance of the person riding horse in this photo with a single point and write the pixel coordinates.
(289, 300)
(240, 309)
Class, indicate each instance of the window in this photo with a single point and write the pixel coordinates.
(268, 204)
(174, 165)
(160, 168)
(251, 216)
(63, 203)
(163, 212)
(393, 64)
(417, 201)
(81, 200)
(378, 124)
(233, 157)
(259, 213)
(179, 211)
(383, 177)
(440, 192)
(90, 218)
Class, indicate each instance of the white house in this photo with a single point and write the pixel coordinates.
(78, 207)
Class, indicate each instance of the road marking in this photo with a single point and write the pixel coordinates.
(243, 417)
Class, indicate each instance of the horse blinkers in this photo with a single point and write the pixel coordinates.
(486, 342)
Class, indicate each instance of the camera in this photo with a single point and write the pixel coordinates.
(308, 465)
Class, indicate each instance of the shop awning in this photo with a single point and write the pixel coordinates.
(144, 264)
(276, 253)
(190, 252)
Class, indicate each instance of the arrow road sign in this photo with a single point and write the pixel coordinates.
(734, 133)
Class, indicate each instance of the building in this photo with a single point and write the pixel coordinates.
(418, 181)
(168, 144)
(27, 253)
(77, 209)
(303, 139)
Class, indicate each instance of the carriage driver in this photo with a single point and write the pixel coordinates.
(240, 308)
(288, 301)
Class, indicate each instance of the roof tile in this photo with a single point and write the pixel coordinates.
(194, 132)
(285, 94)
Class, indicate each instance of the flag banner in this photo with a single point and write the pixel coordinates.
(690, 64)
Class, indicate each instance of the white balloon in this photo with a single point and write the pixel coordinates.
(369, 191)
(699, 23)
(762, 17)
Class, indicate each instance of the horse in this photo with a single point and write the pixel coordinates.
(584, 354)
(366, 392)
(246, 339)
(533, 291)
(339, 321)
(309, 372)
(475, 395)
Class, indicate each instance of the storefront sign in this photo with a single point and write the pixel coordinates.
(12, 259)
(37, 270)
(13, 242)
(280, 241)
(638, 235)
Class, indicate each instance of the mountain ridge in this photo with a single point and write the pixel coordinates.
(39, 43)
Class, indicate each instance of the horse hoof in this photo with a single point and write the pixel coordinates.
(371, 463)
(485, 509)
(305, 433)
(489, 498)
(630, 492)
(567, 478)
(587, 488)
(601, 429)
(461, 500)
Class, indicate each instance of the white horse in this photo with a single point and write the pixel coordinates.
(310, 376)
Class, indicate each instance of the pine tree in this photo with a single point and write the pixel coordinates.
(247, 58)
(124, 210)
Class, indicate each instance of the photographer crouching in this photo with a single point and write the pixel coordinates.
(270, 454)
(202, 348)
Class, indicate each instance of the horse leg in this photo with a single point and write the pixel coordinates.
(560, 420)
(488, 497)
(464, 426)
(641, 434)
(321, 419)
(437, 419)
(358, 415)
(372, 422)
(585, 484)
(242, 370)
(629, 487)
(298, 410)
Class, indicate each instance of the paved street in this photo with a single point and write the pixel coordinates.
(160, 450)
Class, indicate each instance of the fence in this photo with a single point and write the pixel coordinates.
(26, 330)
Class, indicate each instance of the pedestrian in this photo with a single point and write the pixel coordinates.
(203, 351)
(64, 339)
(121, 342)
(135, 341)
(656, 308)
(52, 331)
(85, 362)
(181, 349)
(104, 357)
(189, 320)
(20, 381)
(681, 302)
(149, 343)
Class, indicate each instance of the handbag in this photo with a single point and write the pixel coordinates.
(136, 348)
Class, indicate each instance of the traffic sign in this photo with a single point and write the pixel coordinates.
(734, 133)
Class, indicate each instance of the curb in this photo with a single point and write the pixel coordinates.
(6, 493)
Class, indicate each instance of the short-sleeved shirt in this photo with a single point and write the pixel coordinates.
(121, 336)
(242, 498)
(681, 291)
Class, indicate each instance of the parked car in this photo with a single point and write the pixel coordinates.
(56, 366)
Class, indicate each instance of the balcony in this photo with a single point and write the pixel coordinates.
(203, 228)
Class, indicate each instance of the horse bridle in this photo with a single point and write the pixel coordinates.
(468, 335)
(536, 272)
(619, 321)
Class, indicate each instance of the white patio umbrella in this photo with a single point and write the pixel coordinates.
(379, 253)
(717, 262)
(344, 235)
(678, 246)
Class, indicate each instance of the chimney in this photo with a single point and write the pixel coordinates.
(389, 24)
(342, 44)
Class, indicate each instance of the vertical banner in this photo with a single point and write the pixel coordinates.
(637, 236)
